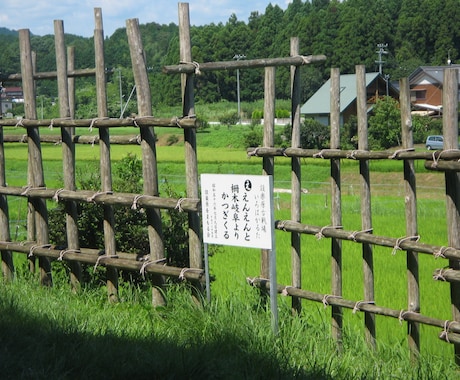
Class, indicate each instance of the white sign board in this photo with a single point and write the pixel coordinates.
(237, 210)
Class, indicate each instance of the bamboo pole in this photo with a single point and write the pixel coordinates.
(37, 207)
(105, 162)
(450, 132)
(191, 164)
(189, 67)
(366, 212)
(296, 177)
(413, 287)
(336, 208)
(68, 151)
(149, 158)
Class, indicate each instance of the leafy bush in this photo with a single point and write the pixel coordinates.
(131, 234)
(230, 118)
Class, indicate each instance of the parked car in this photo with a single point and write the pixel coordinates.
(435, 142)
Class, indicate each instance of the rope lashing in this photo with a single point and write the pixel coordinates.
(444, 334)
(56, 194)
(401, 240)
(179, 203)
(354, 234)
(254, 153)
(402, 315)
(103, 257)
(440, 252)
(194, 63)
(359, 303)
(282, 225)
(135, 205)
(64, 251)
(185, 270)
(396, 153)
(436, 159)
(137, 139)
(94, 120)
(439, 275)
(320, 235)
(147, 263)
(95, 195)
(326, 297)
(319, 154)
(34, 247)
(27, 189)
(19, 123)
(352, 154)
(284, 292)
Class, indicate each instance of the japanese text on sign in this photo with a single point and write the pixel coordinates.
(237, 210)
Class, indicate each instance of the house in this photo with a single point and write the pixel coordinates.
(8, 96)
(318, 106)
(426, 84)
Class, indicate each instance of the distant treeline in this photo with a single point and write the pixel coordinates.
(414, 33)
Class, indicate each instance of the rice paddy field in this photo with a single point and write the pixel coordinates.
(230, 328)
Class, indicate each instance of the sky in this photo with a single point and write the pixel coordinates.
(78, 15)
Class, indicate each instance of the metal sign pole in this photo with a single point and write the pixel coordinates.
(206, 270)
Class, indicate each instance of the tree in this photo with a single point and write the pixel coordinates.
(385, 124)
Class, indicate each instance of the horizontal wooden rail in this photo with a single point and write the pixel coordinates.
(443, 166)
(110, 198)
(354, 154)
(49, 75)
(121, 260)
(141, 121)
(369, 306)
(405, 243)
(195, 67)
(77, 139)
(447, 274)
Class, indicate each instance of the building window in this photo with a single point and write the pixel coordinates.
(418, 95)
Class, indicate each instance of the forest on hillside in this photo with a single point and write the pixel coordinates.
(414, 33)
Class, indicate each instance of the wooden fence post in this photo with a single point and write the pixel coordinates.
(71, 82)
(336, 208)
(149, 157)
(366, 212)
(450, 132)
(7, 256)
(413, 288)
(104, 145)
(37, 206)
(268, 141)
(68, 152)
(191, 164)
(296, 177)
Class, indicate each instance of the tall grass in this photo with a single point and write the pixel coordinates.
(64, 336)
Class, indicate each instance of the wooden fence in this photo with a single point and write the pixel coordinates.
(36, 192)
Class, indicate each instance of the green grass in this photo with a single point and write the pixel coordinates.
(230, 338)
(64, 336)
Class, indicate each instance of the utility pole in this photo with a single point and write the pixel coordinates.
(238, 57)
(380, 52)
(1, 105)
